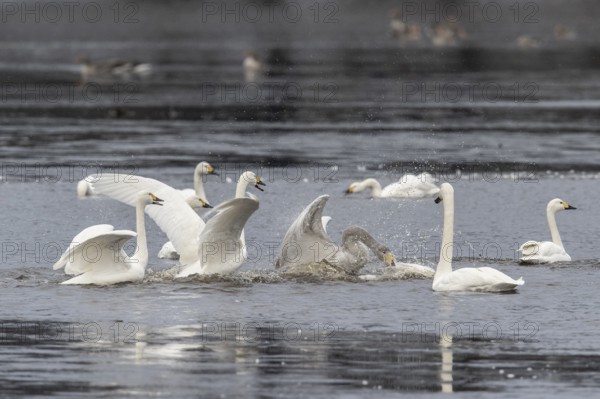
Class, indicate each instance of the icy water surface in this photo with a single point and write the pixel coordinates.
(342, 102)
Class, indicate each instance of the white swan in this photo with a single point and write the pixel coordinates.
(409, 186)
(548, 251)
(190, 195)
(96, 255)
(215, 247)
(168, 250)
(484, 279)
(306, 243)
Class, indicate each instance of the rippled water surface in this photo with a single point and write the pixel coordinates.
(258, 333)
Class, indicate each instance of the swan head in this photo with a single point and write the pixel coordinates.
(354, 188)
(204, 168)
(149, 199)
(252, 178)
(446, 190)
(204, 204)
(359, 186)
(386, 256)
(558, 205)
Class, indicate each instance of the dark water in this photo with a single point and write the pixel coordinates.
(510, 128)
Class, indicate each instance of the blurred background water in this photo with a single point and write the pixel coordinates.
(508, 114)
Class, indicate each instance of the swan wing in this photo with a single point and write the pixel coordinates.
(85, 235)
(175, 218)
(221, 249)
(325, 220)
(542, 252)
(306, 237)
(229, 219)
(102, 251)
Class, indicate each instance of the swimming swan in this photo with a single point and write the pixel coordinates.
(214, 247)
(409, 186)
(548, 251)
(484, 279)
(306, 242)
(107, 263)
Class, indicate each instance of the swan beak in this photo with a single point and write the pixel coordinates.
(212, 171)
(258, 184)
(438, 200)
(567, 206)
(349, 191)
(205, 204)
(156, 200)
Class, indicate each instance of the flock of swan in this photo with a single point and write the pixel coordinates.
(218, 245)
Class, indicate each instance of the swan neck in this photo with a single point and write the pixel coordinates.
(353, 235)
(551, 215)
(242, 184)
(444, 266)
(198, 186)
(141, 254)
(374, 186)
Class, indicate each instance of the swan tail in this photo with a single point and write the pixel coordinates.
(520, 281)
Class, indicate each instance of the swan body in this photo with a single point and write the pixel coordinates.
(96, 255)
(202, 247)
(409, 186)
(547, 251)
(306, 242)
(482, 279)
(417, 270)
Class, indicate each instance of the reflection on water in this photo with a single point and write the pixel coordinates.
(268, 356)
(446, 368)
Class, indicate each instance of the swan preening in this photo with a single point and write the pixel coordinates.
(483, 279)
(96, 255)
(409, 186)
(548, 251)
(306, 242)
(204, 248)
